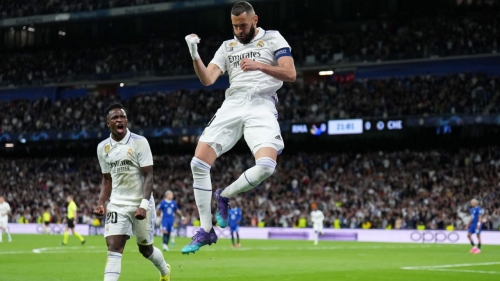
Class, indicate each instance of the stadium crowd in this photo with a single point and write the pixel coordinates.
(399, 190)
(410, 96)
(25, 8)
(449, 34)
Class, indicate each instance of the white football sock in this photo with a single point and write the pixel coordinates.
(202, 186)
(264, 168)
(113, 266)
(8, 234)
(159, 262)
(316, 237)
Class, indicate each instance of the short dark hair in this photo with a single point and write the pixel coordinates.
(242, 7)
(112, 106)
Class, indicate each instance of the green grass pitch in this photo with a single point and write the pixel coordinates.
(37, 257)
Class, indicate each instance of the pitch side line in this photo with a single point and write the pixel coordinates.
(446, 267)
(449, 265)
(460, 270)
(95, 249)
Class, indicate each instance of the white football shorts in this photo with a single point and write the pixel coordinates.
(318, 227)
(254, 117)
(120, 220)
(4, 222)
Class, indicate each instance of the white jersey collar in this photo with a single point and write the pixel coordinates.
(259, 35)
(122, 141)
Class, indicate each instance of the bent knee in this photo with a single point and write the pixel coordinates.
(146, 251)
(199, 166)
(266, 167)
(115, 249)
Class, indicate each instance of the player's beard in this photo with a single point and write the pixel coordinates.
(247, 38)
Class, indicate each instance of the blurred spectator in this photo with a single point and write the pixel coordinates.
(451, 34)
(24, 8)
(417, 189)
(411, 96)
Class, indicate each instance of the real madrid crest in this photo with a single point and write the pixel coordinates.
(130, 152)
(107, 148)
(260, 43)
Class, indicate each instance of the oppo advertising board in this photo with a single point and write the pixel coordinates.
(360, 235)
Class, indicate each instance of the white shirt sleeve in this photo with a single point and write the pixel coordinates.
(144, 155)
(101, 155)
(8, 207)
(220, 58)
(278, 43)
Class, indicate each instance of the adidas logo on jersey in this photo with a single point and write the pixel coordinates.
(278, 137)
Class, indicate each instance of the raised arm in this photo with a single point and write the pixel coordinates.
(207, 74)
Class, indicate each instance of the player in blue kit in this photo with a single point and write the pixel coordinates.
(234, 224)
(168, 207)
(474, 226)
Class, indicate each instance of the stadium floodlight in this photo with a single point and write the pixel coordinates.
(9, 145)
(121, 84)
(326, 72)
(31, 29)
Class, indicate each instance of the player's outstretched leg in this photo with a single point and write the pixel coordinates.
(264, 168)
(222, 213)
(202, 186)
(165, 242)
(469, 235)
(200, 239)
(116, 244)
(9, 238)
(82, 240)
(172, 238)
(156, 257)
(478, 250)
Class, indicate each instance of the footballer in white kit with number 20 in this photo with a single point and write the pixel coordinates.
(127, 183)
(257, 61)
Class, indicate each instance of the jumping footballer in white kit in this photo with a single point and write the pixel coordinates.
(127, 181)
(317, 217)
(257, 61)
(4, 219)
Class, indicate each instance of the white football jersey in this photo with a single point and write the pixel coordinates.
(317, 217)
(123, 160)
(266, 47)
(4, 210)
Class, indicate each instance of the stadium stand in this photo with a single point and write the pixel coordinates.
(390, 189)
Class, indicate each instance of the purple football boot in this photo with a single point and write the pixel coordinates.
(222, 214)
(200, 239)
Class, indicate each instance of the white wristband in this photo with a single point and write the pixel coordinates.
(144, 204)
(194, 52)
